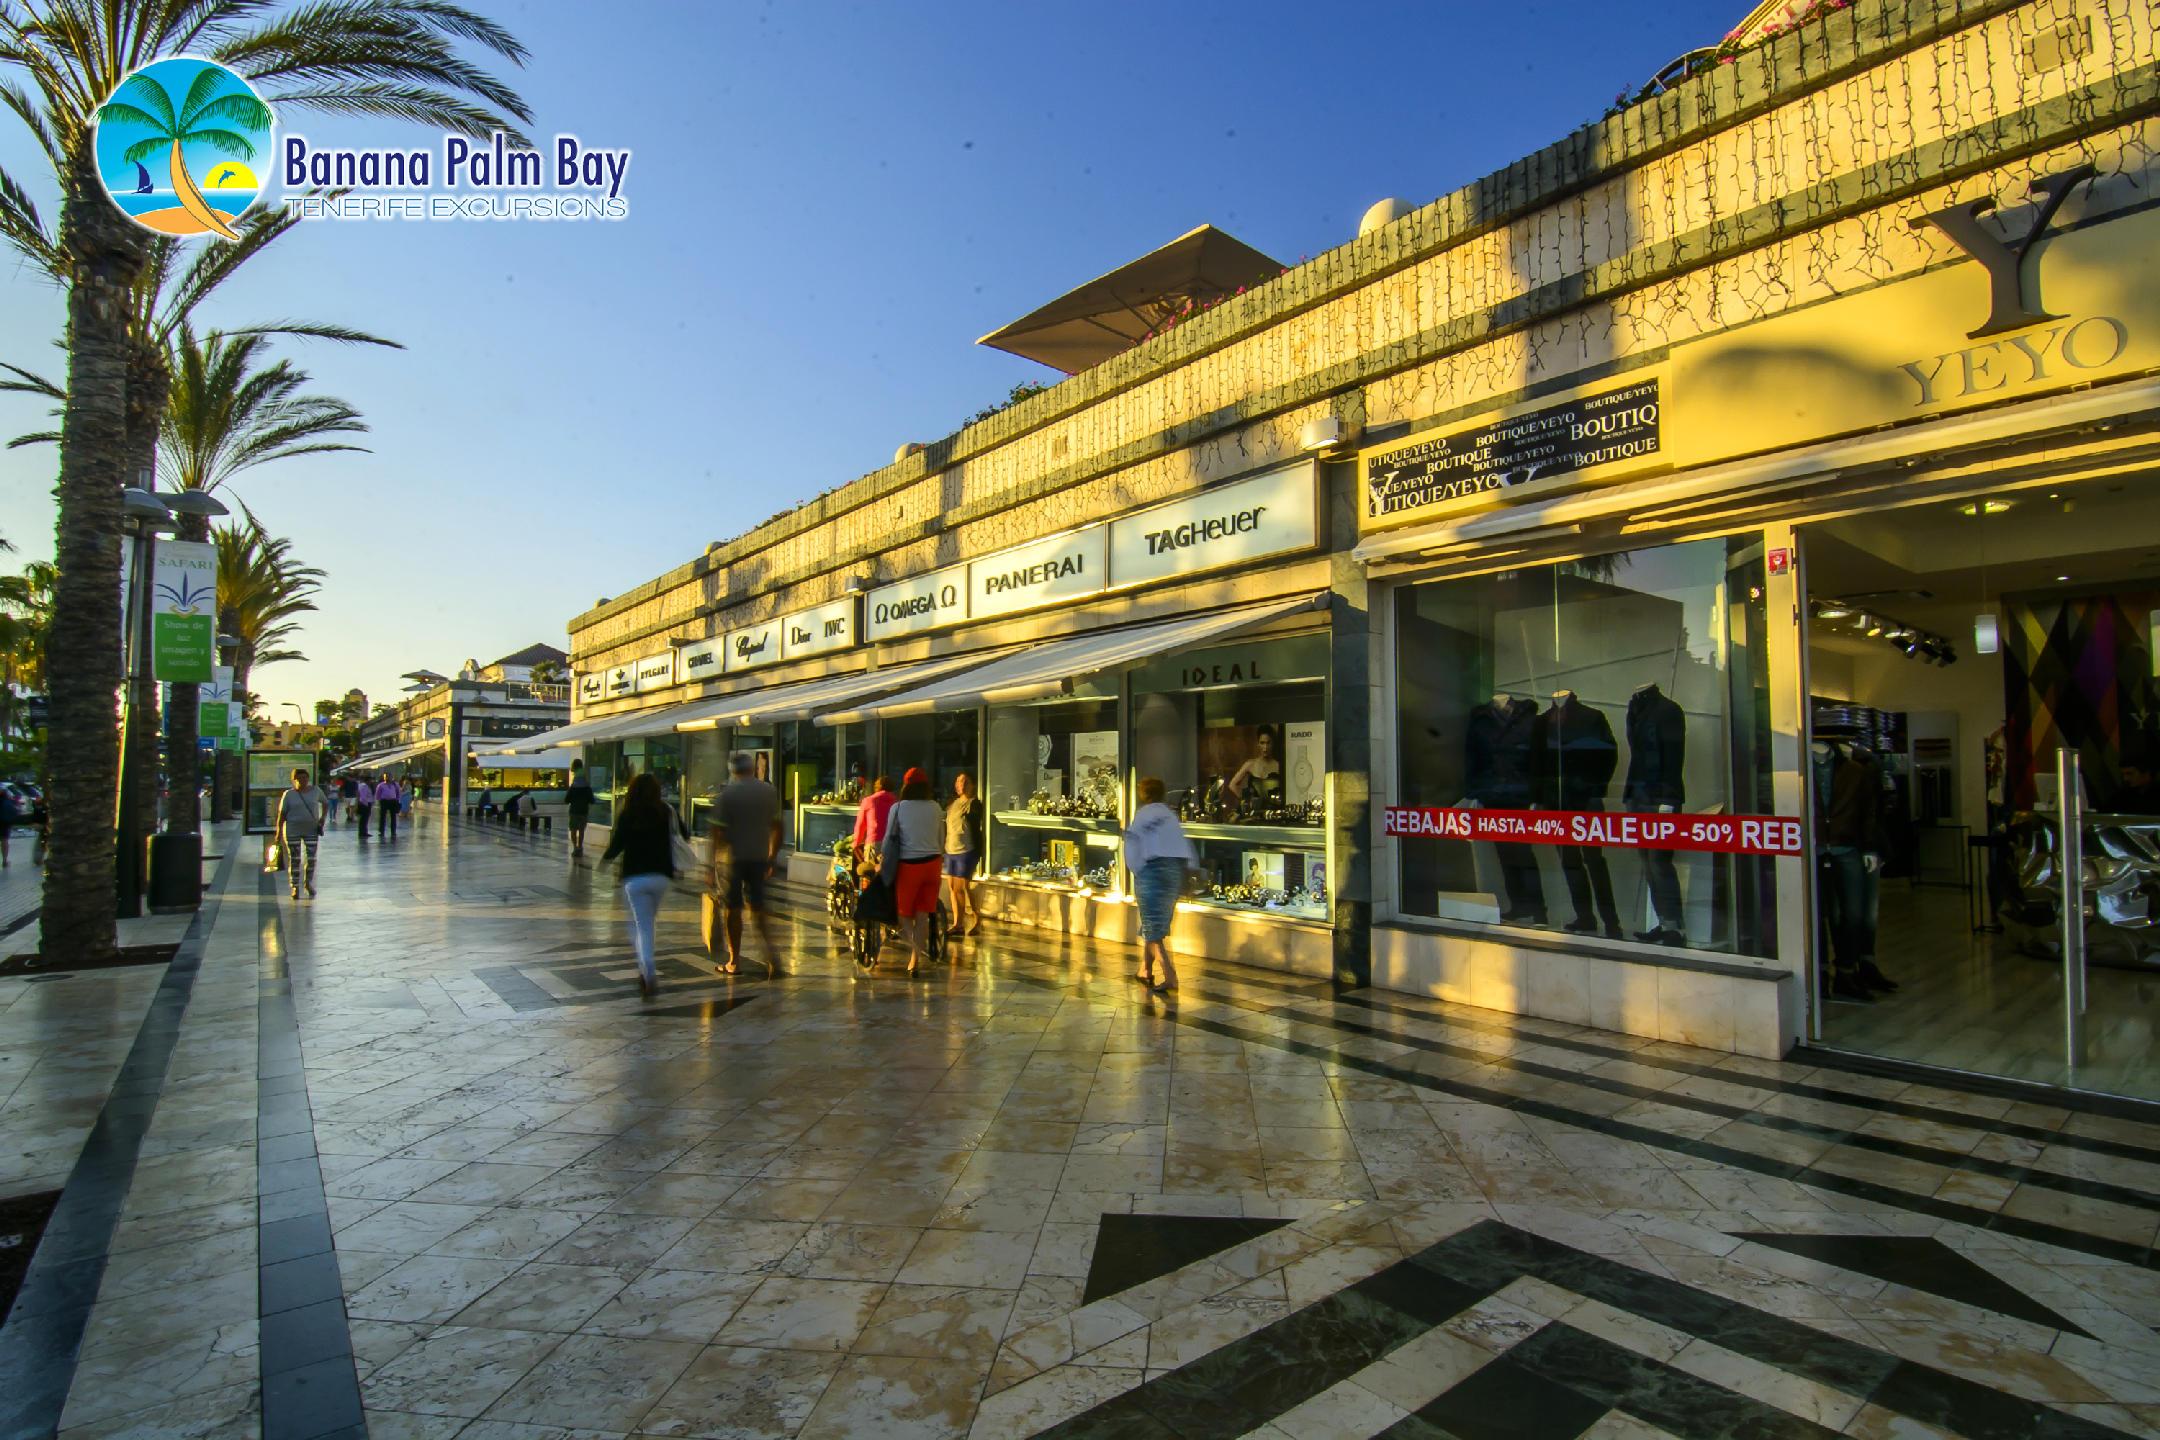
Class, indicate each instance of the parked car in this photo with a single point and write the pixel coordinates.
(29, 800)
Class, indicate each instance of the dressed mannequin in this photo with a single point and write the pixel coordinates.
(1496, 762)
(1574, 756)
(1657, 766)
(1847, 788)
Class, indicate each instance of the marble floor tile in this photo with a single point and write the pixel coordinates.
(792, 1313)
(732, 1393)
(596, 1382)
(455, 1370)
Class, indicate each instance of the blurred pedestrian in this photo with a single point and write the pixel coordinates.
(643, 836)
(386, 807)
(746, 837)
(1158, 854)
(364, 803)
(578, 803)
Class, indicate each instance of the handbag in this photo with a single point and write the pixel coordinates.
(688, 863)
(274, 856)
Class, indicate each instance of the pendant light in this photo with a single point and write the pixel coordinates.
(1987, 638)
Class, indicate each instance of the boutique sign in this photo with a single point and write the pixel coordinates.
(818, 632)
(1710, 834)
(1274, 513)
(701, 661)
(753, 646)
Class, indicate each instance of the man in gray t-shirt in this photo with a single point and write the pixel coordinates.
(746, 836)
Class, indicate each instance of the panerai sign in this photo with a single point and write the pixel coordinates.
(1064, 567)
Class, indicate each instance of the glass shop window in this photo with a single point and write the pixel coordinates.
(1634, 682)
(825, 812)
(1238, 736)
(1052, 786)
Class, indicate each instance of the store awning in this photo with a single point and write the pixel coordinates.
(808, 698)
(393, 756)
(659, 720)
(1048, 668)
(506, 761)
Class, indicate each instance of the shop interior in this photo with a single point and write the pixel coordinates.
(1954, 649)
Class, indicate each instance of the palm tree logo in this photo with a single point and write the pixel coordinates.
(185, 597)
(219, 129)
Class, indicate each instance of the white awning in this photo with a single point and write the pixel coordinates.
(1047, 668)
(392, 756)
(658, 720)
(506, 761)
(808, 698)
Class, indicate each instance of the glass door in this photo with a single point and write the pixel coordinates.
(1984, 731)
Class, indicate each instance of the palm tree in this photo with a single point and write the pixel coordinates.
(262, 590)
(397, 59)
(200, 119)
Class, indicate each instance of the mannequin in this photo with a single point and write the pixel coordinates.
(1574, 756)
(1847, 790)
(1657, 765)
(1496, 764)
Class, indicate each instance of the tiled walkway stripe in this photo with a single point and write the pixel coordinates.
(43, 1334)
(309, 1386)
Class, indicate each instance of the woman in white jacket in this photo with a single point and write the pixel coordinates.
(1158, 854)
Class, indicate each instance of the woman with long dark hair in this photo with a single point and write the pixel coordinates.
(643, 837)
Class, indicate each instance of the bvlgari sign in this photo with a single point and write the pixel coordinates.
(656, 672)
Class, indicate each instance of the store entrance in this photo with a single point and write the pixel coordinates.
(1962, 657)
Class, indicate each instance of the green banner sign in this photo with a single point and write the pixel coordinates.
(216, 720)
(181, 645)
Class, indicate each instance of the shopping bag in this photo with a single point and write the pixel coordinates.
(709, 921)
(273, 856)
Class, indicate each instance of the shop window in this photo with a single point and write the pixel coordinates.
(826, 813)
(1631, 682)
(1052, 782)
(941, 745)
(705, 770)
(660, 756)
(603, 763)
(1238, 736)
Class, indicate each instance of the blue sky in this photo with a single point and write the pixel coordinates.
(828, 204)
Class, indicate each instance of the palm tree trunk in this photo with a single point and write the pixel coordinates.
(147, 386)
(191, 199)
(77, 915)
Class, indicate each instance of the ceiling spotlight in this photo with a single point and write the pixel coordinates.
(1831, 610)
(1874, 626)
(2059, 579)
(1902, 635)
(1984, 507)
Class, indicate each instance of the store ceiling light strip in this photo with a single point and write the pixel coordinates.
(2008, 422)
(804, 699)
(1048, 667)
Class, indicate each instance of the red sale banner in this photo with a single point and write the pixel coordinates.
(1720, 834)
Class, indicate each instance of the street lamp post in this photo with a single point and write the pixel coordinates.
(146, 512)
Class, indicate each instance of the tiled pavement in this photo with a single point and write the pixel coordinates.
(414, 1156)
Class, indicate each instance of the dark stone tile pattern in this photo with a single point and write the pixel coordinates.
(309, 1386)
(1133, 1249)
(1919, 1263)
(1556, 1383)
(43, 1334)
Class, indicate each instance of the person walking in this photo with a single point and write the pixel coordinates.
(301, 811)
(643, 838)
(872, 814)
(746, 836)
(332, 793)
(1158, 854)
(386, 807)
(10, 814)
(914, 861)
(963, 853)
(405, 796)
(363, 803)
(577, 804)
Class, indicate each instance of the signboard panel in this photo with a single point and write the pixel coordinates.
(591, 688)
(818, 631)
(701, 661)
(1610, 431)
(183, 611)
(1046, 572)
(655, 672)
(1232, 524)
(753, 646)
(1712, 834)
(265, 775)
(921, 602)
(621, 680)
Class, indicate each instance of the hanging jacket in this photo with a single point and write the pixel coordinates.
(1496, 755)
(1573, 756)
(1657, 752)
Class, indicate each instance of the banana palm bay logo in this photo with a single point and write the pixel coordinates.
(182, 146)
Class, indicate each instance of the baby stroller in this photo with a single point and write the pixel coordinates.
(841, 887)
(871, 910)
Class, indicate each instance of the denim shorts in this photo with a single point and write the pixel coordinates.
(963, 865)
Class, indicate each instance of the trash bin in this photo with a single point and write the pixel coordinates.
(174, 863)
